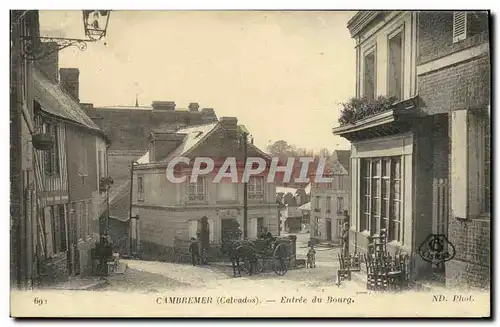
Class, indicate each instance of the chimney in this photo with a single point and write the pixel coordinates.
(208, 115)
(161, 144)
(163, 105)
(50, 64)
(193, 106)
(69, 81)
(230, 126)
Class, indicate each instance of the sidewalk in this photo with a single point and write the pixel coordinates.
(79, 284)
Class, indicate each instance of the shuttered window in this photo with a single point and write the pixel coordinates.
(369, 77)
(395, 66)
(459, 26)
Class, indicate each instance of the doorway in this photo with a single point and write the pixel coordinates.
(328, 229)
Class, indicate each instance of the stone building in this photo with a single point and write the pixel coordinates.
(170, 212)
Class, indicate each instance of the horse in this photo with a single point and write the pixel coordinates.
(238, 251)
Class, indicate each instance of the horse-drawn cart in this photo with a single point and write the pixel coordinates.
(261, 255)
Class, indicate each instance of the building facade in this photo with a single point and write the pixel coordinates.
(420, 157)
(170, 212)
(50, 136)
(330, 200)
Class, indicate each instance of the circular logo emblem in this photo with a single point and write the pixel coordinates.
(436, 249)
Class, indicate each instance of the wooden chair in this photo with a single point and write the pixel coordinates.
(344, 272)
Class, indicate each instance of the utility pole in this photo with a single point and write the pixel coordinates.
(130, 207)
(245, 188)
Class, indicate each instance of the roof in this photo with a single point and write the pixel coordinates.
(194, 135)
(130, 127)
(305, 207)
(343, 158)
(119, 202)
(55, 101)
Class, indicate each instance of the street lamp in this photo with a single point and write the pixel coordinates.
(95, 23)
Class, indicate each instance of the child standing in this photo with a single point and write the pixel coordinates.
(311, 257)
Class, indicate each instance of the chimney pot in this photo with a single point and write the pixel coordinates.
(193, 106)
(163, 105)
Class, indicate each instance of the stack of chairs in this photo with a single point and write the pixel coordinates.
(386, 272)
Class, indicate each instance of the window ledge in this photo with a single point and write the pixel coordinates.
(365, 232)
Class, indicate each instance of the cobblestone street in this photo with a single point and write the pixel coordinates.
(153, 276)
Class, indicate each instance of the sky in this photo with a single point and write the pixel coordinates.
(282, 74)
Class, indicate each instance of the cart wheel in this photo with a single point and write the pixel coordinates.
(281, 259)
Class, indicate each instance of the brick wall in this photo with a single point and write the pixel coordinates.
(462, 86)
(471, 239)
(471, 265)
(435, 34)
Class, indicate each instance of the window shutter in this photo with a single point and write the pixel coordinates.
(459, 26)
(211, 229)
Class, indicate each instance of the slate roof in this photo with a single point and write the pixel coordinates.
(57, 102)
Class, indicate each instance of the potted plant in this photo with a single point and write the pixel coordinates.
(43, 141)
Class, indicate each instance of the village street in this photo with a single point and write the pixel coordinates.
(152, 276)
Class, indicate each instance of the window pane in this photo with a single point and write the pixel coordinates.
(386, 188)
(394, 231)
(375, 206)
(385, 208)
(397, 190)
(376, 168)
(386, 168)
(377, 187)
(396, 210)
(397, 167)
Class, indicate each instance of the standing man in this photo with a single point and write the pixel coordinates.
(204, 238)
(195, 251)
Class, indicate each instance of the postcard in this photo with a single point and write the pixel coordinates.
(250, 163)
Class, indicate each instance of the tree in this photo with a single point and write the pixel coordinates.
(280, 148)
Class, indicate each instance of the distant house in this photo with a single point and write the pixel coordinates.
(329, 200)
(170, 212)
(290, 199)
